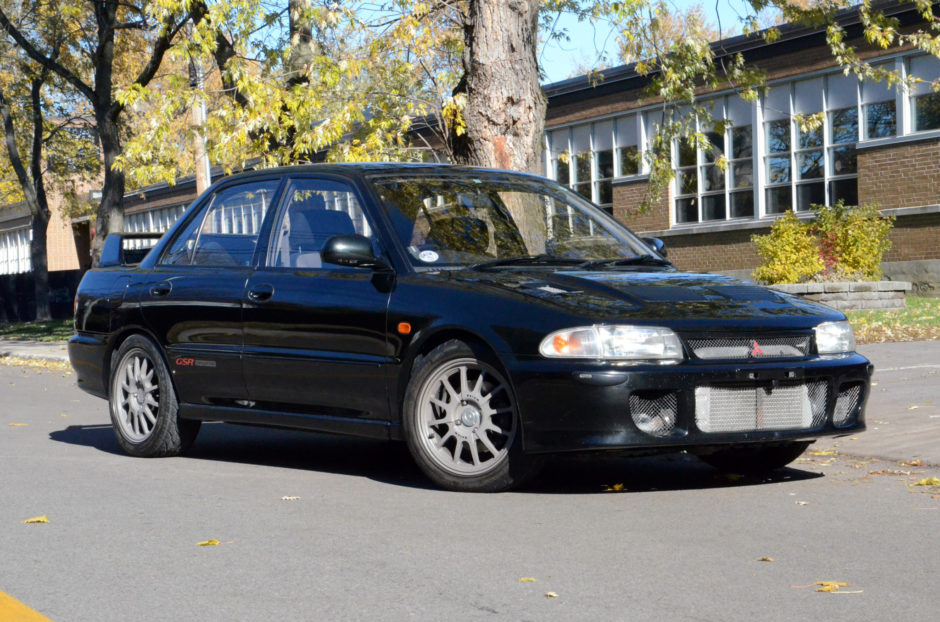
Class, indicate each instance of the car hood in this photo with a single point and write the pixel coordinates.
(674, 298)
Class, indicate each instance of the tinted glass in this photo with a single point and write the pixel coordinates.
(605, 163)
(844, 124)
(742, 204)
(778, 200)
(845, 189)
(561, 171)
(928, 112)
(741, 142)
(629, 161)
(313, 211)
(809, 195)
(713, 207)
(226, 232)
(686, 210)
(469, 220)
(778, 136)
(881, 119)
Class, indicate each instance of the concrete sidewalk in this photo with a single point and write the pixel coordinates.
(52, 351)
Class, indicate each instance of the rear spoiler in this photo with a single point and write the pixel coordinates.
(116, 253)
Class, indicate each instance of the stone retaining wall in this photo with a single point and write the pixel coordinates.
(860, 295)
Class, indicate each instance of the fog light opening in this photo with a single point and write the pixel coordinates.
(847, 406)
(654, 413)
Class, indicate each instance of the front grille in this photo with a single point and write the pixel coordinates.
(788, 406)
(737, 348)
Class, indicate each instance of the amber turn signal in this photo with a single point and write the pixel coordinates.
(404, 328)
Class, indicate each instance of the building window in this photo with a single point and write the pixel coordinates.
(810, 169)
(686, 182)
(881, 119)
(779, 196)
(925, 103)
(843, 160)
(741, 168)
(603, 187)
(14, 251)
(927, 112)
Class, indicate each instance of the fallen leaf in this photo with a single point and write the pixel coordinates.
(36, 519)
(289, 498)
(551, 595)
(912, 407)
(17, 425)
(853, 438)
(828, 452)
(830, 586)
(802, 502)
(912, 463)
(614, 488)
(527, 580)
(63, 415)
(928, 481)
(765, 559)
(210, 542)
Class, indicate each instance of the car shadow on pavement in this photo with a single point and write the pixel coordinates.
(390, 463)
(618, 473)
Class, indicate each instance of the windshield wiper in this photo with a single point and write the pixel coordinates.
(527, 260)
(639, 260)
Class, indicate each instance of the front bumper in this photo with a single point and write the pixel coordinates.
(576, 406)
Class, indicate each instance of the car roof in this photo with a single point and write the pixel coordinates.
(378, 169)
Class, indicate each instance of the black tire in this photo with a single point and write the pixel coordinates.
(143, 404)
(757, 459)
(484, 418)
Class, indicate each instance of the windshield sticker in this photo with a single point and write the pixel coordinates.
(428, 256)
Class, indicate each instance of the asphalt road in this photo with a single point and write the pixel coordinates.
(368, 538)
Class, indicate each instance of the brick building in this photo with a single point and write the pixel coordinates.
(875, 146)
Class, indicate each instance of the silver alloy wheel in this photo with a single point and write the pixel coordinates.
(137, 392)
(466, 417)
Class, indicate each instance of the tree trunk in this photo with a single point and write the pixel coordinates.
(40, 265)
(505, 110)
(110, 215)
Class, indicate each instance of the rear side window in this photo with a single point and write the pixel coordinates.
(314, 211)
(226, 233)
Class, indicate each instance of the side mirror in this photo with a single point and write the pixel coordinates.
(657, 245)
(352, 250)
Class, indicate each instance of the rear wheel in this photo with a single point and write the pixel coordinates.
(461, 422)
(144, 409)
(756, 459)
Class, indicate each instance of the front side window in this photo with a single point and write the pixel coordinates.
(225, 233)
(461, 221)
(314, 210)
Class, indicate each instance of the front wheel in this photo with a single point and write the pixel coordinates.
(461, 423)
(756, 459)
(144, 409)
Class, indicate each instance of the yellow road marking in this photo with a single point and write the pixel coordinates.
(12, 609)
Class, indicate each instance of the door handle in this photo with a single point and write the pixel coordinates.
(261, 292)
(161, 289)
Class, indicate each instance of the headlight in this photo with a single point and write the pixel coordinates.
(835, 338)
(615, 343)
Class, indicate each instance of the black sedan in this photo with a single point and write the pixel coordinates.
(487, 318)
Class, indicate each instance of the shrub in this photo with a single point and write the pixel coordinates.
(852, 240)
(844, 243)
(789, 252)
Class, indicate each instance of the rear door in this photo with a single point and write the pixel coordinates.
(315, 343)
(193, 297)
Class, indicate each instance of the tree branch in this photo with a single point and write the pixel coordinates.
(44, 60)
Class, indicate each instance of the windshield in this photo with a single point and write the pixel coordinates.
(469, 221)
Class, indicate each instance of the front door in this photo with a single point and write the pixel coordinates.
(315, 343)
(192, 300)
